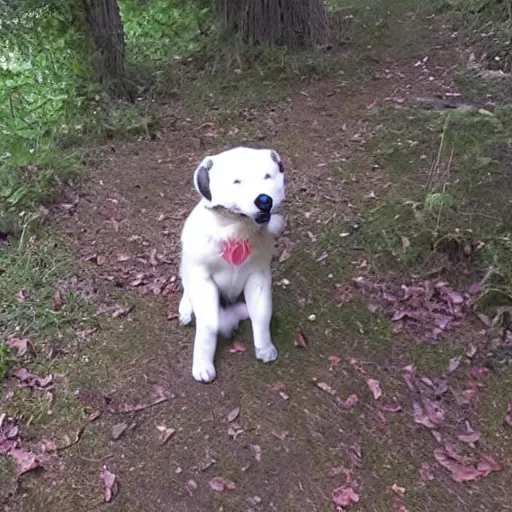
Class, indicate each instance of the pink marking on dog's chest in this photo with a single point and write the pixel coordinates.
(236, 252)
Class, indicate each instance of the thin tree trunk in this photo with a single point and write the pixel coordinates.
(104, 20)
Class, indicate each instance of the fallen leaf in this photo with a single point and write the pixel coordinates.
(30, 380)
(24, 459)
(334, 359)
(120, 311)
(48, 445)
(110, 481)
(139, 279)
(235, 430)
(487, 465)
(122, 257)
(237, 348)
(326, 388)
(191, 485)
(165, 433)
(344, 496)
(374, 386)
(118, 430)
(420, 417)
(233, 415)
(470, 438)
(220, 484)
(399, 490)
(301, 340)
(453, 364)
(57, 301)
(256, 450)
(460, 471)
(393, 408)
(349, 402)
(22, 345)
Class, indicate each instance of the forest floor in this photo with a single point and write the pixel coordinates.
(392, 405)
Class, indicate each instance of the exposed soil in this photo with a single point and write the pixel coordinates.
(296, 436)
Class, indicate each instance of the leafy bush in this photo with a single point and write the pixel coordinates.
(42, 94)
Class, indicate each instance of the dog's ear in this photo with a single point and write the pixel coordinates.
(277, 159)
(202, 178)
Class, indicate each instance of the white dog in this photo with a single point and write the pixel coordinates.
(227, 245)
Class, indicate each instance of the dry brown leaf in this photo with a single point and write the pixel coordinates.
(110, 482)
(22, 345)
(24, 459)
(30, 380)
(344, 496)
(233, 414)
(301, 340)
(220, 484)
(374, 386)
(256, 450)
(58, 301)
(165, 433)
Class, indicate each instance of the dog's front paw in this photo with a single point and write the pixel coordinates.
(204, 372)
(185, 312)
(267, 354)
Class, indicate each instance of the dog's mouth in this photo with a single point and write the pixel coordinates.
(262, 218)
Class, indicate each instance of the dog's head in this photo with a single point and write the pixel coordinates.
(243, 181)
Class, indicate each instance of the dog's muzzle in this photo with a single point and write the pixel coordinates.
(264, 203)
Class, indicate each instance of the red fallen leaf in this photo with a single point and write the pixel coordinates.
(487, 465)
(470, 438)
(237, 348)
(479, 371)
(22, 345)
(435, 411)
(165, 433)
(301, 340)
(111, 485)
(334, 359)
(391, 408)
(344, 496)
(58, 302)
(25, 460)
(374, 386)
(349, 402)
(233, 415)
(426, 472)
(32, 381)
(464, 473)
(220, 484)
(420, 417)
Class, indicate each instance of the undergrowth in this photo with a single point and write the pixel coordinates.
(450, 203)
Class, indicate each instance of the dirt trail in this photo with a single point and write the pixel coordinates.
(287, 448)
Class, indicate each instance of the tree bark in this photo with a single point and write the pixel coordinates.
(104, 20)
(276, 22)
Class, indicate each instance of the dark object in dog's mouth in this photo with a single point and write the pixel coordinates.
(262, 218)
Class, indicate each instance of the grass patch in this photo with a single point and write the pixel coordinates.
(449, 205)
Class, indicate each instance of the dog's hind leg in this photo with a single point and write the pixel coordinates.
(230, 317)
(258, 296)
(204, 296)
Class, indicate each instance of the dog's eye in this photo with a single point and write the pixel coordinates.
(267, 176)
(236, 182)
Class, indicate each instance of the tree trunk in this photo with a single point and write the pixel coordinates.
(276, 22)
(106, 26)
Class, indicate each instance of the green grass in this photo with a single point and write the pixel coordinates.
(449, 204)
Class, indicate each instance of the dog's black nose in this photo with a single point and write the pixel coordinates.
(263, 202)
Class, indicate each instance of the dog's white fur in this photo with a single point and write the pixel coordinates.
(229, 183)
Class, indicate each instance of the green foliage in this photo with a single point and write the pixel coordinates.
(163, 31)
(42, 94)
